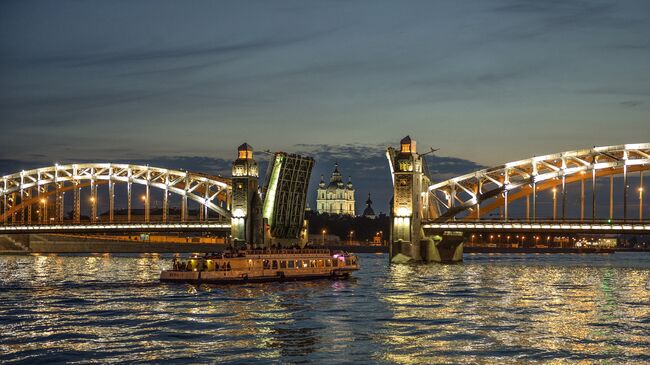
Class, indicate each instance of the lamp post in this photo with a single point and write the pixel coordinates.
(554, 203)
(93, 210)
(145, 205)
(641, 203)
(323, 237)
(42, 212)
(350, 237)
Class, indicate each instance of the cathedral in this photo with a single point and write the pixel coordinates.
(336, 197)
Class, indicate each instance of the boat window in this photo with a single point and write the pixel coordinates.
(283, 264)
(299, 264)
(320, 263)
(328, 263)
(312, 263)
(266, 264)
(275, 264)
(335, 262)
(291, 264)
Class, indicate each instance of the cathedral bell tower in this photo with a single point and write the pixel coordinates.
(246, 202)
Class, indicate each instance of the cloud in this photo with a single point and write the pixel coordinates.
(632, 103)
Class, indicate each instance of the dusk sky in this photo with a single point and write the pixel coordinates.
(183, 83)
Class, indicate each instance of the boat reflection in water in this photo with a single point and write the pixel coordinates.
(262, 265)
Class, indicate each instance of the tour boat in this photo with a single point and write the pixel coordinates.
(262, 265)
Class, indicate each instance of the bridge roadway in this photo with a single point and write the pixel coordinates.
(117, 227)
(579, 227)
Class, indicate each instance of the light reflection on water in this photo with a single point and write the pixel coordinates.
(490, 309)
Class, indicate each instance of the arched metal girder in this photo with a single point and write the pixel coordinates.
(464, 192)
(204, 189)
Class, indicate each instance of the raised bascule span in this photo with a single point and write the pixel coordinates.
(427, 218)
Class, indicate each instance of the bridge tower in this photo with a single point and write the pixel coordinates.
(406, 212)
(410, 206)
(246, 203)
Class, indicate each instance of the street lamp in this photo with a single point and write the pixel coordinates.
(554, 203)
(42, 212)
(324, 231)
(350, 237)
(641, 203)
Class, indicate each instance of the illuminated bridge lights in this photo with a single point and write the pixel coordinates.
(213, 193)
(149, 227)
(541, 227)
(496, 186)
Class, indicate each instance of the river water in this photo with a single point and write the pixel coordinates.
(490, 309)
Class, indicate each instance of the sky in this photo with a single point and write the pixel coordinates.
(182, 83)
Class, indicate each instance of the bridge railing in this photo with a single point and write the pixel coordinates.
(548, 221)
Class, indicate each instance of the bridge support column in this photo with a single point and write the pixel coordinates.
(505, 205)
(563, 197)
(640, 196)
(57, 204)
(165, 209)
(534, 201)
(625, 187)
(12, 204)
(62, 208)
(77, 203)
(611, 196)
(29, 206)
(93, 201)
(40, 209)
(4, 209)
(184, 209)
(147, 213)
(4, 204)
(128, 200)
(204, 206)
(111, 201)
(582, 197)
(593, 193)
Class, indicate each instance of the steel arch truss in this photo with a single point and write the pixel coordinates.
(204, 189)
(467, 192)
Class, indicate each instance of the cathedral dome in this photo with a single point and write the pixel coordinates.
(369, 212)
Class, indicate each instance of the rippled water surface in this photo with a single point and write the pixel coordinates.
(490, 309)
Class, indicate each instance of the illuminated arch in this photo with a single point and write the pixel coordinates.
(204, 189)
(515, 180)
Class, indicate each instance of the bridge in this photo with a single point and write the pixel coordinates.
(39, 196)
(469, 203)
(66, 199)
(511, 198)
